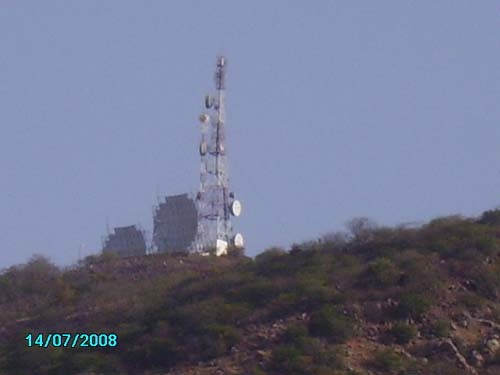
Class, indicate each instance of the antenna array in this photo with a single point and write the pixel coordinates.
(215, 203)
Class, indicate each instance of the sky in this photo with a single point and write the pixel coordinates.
(335, 110)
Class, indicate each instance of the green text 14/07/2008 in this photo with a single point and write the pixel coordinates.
(72, 340)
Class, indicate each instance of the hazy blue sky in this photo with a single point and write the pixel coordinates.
(336, 109)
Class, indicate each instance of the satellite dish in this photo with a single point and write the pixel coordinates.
(221, 149)
(238, 240)
(204, 118)
(235, 208)
(221, 247)
(209, 102)
(203, 148)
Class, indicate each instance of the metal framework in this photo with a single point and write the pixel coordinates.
(215, 202)
(175, 224)
(126, 241)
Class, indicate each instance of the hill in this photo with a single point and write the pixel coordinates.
(376, 300)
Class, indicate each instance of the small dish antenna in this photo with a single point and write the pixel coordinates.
(235, 208)
(238, 240)
(209, 102)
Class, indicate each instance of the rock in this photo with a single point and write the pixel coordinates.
(477, 359)
(450, 346)
(264, 355)
(492, 345)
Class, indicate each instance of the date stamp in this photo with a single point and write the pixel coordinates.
(72, 340)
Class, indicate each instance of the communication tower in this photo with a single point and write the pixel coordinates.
(215, 202)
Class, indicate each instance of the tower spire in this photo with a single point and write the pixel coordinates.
(214, 200)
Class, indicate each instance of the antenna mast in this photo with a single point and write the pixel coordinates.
(215, 202)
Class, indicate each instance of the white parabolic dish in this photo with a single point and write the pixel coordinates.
(236, 208)
(238, 240)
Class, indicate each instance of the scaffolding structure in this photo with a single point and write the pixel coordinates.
(175, 224)
(215, 202)
(125, 241)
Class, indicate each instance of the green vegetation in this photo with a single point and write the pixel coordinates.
(303, 309)
(389, 362)
(380, 273)
(412, 305)
(302, 354)
(441, 328)
(328, 323)
(402, 333)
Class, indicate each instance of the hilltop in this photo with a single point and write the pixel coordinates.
(374, 300)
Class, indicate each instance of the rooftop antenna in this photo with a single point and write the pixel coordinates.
(157, 193)
(80, 252)
(107, 225)
(215, 203)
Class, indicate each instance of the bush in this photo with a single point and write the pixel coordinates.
(332, 325)
(258, 292)
(419, 271)
(388, 361)
(462, 239)
(361, 228)
(287, 359)
(380, 273)
(412, 305)
(303, 354)
(221, 338)
(330, 358)
(313, 289)
(284, 304)
(295, 333)
(154, 352)
(487, 282)
(491, 217)
(471, 301)
(402, 333)
(441, 328)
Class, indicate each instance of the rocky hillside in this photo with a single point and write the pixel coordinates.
(374, 300)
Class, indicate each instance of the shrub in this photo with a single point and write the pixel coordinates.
(257, 292)
(221, 338)
(272, 261)
(380, 273)
(441, 328)
(488, 282)
(491, 217)
(295, 333)
(412, 305)
(402, 333)
(471, 301)
(388, 361)
(287, 359)
(332, 325)
(303, 354)
(155, 352)
(462, 239)
(335, 241)
(330, 358)
(35, 277)
(284, 304)
(361, 228)
(313, 288)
